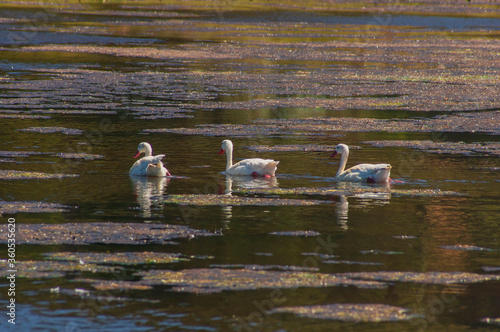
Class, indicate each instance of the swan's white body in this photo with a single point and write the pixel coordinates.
(148, 165)
(245, 167)
(360, 173)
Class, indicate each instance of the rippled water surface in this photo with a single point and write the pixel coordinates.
(97, 249)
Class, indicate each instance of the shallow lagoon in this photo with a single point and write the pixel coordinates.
(415, 86)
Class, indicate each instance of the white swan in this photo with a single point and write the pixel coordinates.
(148, 165)
(253, 166)
(370, 173)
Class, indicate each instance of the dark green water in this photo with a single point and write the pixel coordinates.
(236, 68)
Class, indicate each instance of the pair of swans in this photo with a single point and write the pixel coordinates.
(370, 173)
(152, 165)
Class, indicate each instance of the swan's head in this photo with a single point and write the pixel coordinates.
(143, 147)
(341, 148)
(226, 145)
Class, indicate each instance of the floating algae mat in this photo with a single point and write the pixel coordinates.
(53, 269)
(485, 122)
(265, 267)
(119, 258)
(296, 233)
(31, 207)
(466, 247)
(149, 52)
(19, 154)
(350, 191)
(207, 200)
(293, 148)
(107, 285)
(219, 279)
(492, 148)
(23, 116)
(348, 312)
(26, 175)
(439, 278)
(236, 130)
(51, 130)
(84, 156)
(106, 233)
(216, 280)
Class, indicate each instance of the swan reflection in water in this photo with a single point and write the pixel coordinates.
(244, 182)
(148, 192)
(364, 200)
(248, 183)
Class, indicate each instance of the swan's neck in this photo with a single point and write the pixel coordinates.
(343, 162)
(229, 153)
(148, 151)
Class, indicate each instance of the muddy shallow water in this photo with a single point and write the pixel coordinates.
(414, 85)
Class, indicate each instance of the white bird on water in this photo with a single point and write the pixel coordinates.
(253, 166)
(370, 173)
(148, 165)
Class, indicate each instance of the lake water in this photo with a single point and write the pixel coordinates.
(416, 87)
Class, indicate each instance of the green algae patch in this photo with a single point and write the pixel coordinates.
(440, 278)
(103, 233)
(472, 122)
(484, 148)
(81, 156)
(31, 207)
(350, 191)
(265, 267)
(52, 269)
(293, 148)
(296, 233)
(140, 52)
(27, 175)
(118, 258)
(466, 247)
(224, 200)
(110, 285)
(218, 280)
(51, 130)
(19, 154)
(235, 130)
(23, 116)
(349, 312)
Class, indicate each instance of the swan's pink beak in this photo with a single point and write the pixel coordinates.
(137, 154)
(221, 151)
(334, 154)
